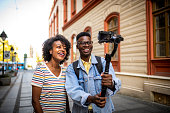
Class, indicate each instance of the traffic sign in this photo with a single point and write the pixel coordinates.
(6, 54)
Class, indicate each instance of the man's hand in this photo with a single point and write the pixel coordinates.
(99, 101)
(107, 80)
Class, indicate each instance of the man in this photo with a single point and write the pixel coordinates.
(85, 90)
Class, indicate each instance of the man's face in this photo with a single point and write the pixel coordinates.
(85, 46)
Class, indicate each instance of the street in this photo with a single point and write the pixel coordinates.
(16, 98)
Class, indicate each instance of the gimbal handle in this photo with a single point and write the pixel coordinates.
(108, 59)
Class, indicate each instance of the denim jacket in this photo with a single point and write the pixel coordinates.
(80, 88)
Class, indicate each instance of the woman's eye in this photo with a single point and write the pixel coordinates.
(58, 47)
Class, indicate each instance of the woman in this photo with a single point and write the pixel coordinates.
(48, 82)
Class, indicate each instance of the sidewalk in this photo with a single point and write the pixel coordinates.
(16, 98)
(25, 97)
(9, 94)
(5, 89)
(127, 104)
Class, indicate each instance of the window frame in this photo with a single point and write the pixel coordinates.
(85, 2)
(115, 63)
(57, 20)
(50, 28)
(54, 25)
(155, 66)
(73, 7)
(65, 11)
(155, 13)
(72, 43)
(88, 28)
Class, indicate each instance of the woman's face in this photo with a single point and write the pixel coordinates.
(58, 51)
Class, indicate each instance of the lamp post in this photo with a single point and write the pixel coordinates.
(15, 53)
(3, 36)
(12, 49)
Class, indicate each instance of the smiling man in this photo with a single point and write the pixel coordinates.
(84, 87)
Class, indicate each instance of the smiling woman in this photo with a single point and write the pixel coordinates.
(48, 46)
(48, 82)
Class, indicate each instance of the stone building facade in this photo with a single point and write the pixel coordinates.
(142, 61)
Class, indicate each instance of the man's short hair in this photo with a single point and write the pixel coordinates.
(82, 34)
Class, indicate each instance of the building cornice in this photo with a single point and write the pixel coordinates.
(84, 11)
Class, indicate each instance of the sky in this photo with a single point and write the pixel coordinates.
(26, 23)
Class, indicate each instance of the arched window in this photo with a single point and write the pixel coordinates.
(54, 26)
(74, 48)
(65, 10)
(112, 24)
(73, 7)
(88, 29)
(57, 20)
(50, 30)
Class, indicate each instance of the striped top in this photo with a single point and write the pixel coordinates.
(53, 94)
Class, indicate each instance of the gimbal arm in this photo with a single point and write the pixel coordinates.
(108, 59)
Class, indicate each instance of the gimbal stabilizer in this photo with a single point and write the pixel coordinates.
(109, 36)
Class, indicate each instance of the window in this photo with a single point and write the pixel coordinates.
(112, 24)
(54, 26)
(158, 38)
(73, 49)
(49, 30)
(85, 2)
(88, 29)
(57, 20)
(73, 7)
(83, 11)
(65, 11)
(161, 23)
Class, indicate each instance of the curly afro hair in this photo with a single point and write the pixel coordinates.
(47, 46)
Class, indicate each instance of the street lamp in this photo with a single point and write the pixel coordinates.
(15, 53)
(3, 36)
(12, 49)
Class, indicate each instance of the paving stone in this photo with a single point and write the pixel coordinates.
(26, 95)
(25, 103)
(26, 109)
(25, 98)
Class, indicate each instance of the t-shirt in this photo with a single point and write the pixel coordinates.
(53, 94)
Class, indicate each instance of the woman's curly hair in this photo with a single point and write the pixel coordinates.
(47, 46)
